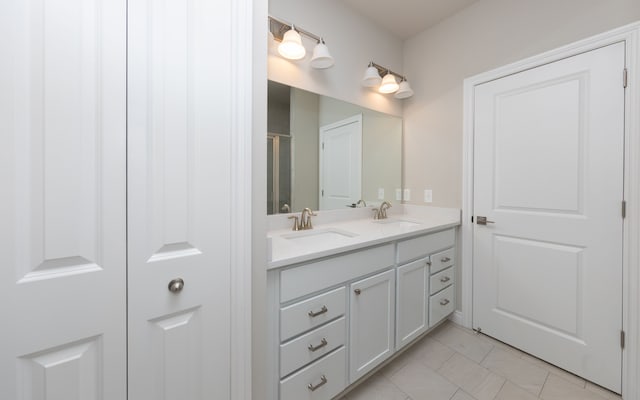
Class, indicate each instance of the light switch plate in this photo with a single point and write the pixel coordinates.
(380, 193)
(428, 196)
(398, 194)
(407, 195)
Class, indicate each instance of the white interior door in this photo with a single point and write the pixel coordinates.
(341, 163)
(178, 199)
(62, 207)
(548, 171)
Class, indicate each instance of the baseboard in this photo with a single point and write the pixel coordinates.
(457, 318)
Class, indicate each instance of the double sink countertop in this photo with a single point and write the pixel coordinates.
(340, 231)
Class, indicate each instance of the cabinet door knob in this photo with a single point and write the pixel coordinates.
(176, 285)
(357, 291)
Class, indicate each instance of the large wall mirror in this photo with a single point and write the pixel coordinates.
(324, 153)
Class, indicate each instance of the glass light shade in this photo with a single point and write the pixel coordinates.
(389, 84)
(371, 77)
(291, 46)
(321, 58)
(404, 91)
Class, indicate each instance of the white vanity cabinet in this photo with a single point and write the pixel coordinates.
(372, 320)
(335, 319)
(412, 301)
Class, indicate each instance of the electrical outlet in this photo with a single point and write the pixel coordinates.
(407, 195)
(399, 194)
(428, 196)
(380, 193)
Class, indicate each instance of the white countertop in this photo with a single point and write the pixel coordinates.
(331, 235)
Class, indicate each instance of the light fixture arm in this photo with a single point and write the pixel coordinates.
(278, 27)
(382, 71)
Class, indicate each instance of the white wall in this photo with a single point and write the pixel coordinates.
(304, 133)
(353, 42)
(486, 35)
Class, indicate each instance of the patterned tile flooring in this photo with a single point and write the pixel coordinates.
(453, 363)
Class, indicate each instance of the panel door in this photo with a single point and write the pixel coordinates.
(62, 207)
(412, 298)
(341, 163)
(178, 199)
(549, 174)
(371, 322)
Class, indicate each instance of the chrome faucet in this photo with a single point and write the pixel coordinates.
(364, 203)
(381, 212)
(304, 221)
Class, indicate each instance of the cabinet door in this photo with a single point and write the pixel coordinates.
(63, 199)
(371, 322)
(411, 309)
(178, 199)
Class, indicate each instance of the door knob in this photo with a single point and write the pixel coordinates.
(483, 221)
(176, 285)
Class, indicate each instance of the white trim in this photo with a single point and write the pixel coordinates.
(631, 276)
(457, 317)
(241, 196)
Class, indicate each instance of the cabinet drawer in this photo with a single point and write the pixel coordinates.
(442, 260)
(422, 246)
(311, 346)
(441, 305)
(319, 381)
(300, 281)
(308, 314)
(441, 280)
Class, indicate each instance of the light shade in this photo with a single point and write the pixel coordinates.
(321, 58)
(291, 46)
(389, 84)
(371, 77)
(404, 90)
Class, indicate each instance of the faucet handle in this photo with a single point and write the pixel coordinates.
(376, 213)
(296, 225)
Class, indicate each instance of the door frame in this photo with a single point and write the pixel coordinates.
(630, 34)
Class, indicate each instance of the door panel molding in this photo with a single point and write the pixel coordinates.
(630, 35)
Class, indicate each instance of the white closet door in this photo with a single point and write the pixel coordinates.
(178, 199)
(62, 206)
(548, 171)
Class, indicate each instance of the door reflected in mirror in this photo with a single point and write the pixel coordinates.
(325, 153)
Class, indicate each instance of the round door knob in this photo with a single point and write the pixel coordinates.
(176, 285)
(357, 291)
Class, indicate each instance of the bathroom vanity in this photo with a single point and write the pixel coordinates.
(347, 296)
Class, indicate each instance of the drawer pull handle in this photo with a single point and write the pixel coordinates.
(313, 388)
(445, 259)
(444, 302)
(445, 279)
(357, 291)
(323, 310)
(323, 343)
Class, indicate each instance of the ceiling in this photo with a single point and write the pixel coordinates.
(406, 18)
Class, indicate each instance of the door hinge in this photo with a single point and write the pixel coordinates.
(322, 192)
(472, 219)
(624, 209)
(322, 145)
(622, 339)
(625, 78)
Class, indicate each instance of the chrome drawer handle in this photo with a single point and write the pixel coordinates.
(323, 310)
(313, 388)
(445, 259)
(445, 279)
(444, 302)
(323, 343)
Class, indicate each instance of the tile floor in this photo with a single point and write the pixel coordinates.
(453, 363)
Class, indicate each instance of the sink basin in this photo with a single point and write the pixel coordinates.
(401, 223)
(319, 236)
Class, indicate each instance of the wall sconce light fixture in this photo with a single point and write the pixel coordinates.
(292, 48)
(385, 80)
